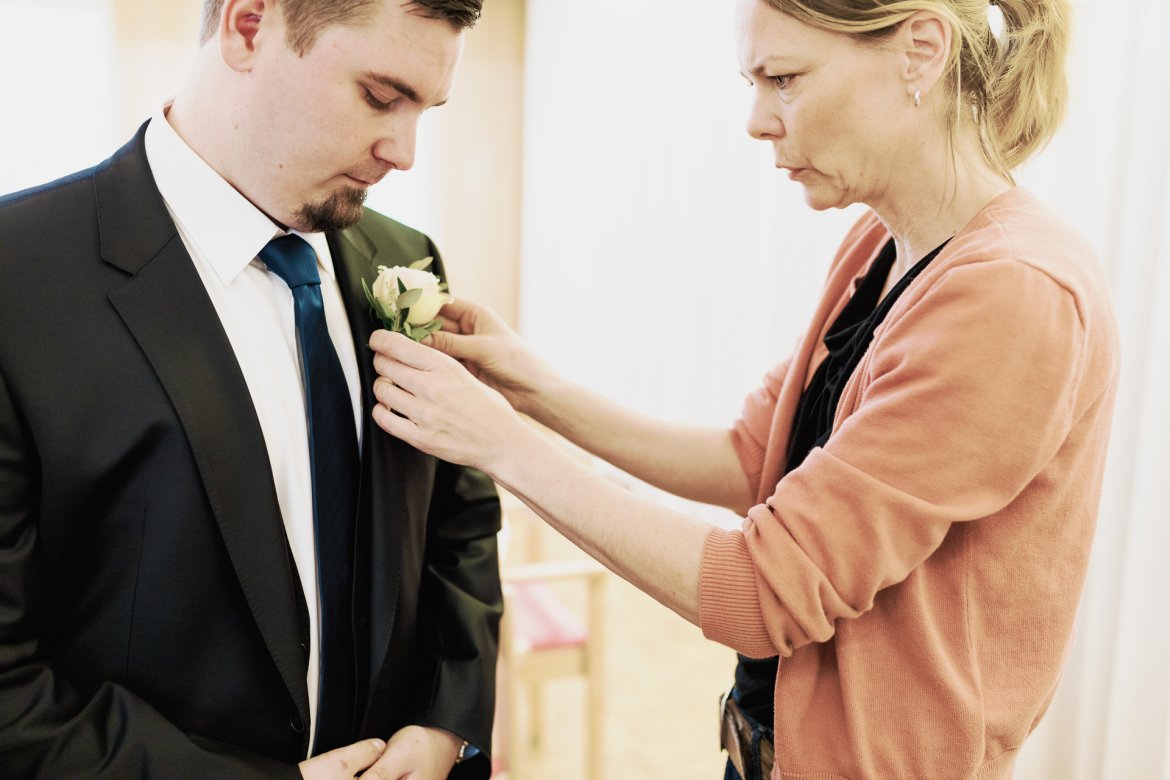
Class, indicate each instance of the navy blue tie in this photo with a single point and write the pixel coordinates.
(333, 451)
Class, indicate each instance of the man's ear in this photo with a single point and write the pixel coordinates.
(241, 27)
(926, 41)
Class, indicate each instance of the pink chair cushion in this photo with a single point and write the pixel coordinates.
(540, 619)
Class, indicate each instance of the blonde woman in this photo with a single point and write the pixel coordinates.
(920, 479)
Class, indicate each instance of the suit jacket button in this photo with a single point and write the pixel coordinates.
(296, 723)
(305, 649)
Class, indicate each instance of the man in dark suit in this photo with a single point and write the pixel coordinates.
(212, 565)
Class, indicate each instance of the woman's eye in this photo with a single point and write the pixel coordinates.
(783, 82)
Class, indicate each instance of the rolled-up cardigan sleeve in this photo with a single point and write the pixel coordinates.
(750, 432)
(967, 392)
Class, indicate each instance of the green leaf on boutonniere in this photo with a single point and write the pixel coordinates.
(423, 264)
(408, 299)
(375, 304)
(435, 324)
(378, 307)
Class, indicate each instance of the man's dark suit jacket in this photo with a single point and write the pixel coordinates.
(151, 620)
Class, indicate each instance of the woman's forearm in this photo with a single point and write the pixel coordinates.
(696, 463)
(655, 549)
(431, 402)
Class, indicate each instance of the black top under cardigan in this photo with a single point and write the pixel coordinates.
(848, 340)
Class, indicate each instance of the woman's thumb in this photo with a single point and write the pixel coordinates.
(456, 345)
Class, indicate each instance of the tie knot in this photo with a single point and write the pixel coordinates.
(292, 259)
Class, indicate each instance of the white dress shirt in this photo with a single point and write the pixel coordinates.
(223, 233)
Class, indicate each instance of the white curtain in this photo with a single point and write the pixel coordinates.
(666, 264)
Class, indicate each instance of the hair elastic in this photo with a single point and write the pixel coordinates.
(996, 22)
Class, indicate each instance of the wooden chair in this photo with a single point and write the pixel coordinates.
(542, 639)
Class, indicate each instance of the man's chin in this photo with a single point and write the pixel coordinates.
(340, 210)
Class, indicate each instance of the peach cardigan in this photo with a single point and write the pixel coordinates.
(919, 575)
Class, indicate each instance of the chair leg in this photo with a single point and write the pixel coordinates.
(595, 677)
(509, 692)
(517, 743)
(535, 715)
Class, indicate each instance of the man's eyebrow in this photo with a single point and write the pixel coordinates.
(399, 86)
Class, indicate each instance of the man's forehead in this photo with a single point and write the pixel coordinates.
(415, 56)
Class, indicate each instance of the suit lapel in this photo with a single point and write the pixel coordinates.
(385, 464)
(166, 308)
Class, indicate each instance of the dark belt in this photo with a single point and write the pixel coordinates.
(735, 736)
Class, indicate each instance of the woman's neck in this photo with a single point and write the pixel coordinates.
(934, 202)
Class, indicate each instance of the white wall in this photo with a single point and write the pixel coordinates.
(56, 90)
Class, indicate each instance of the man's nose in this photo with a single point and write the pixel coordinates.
(396, 147)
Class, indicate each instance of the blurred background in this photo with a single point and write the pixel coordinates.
(592, 180)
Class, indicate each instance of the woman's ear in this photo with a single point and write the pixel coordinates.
(926, 40)
(239, 27)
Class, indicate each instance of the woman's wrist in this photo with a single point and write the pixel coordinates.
(519, 455)
(541, 397)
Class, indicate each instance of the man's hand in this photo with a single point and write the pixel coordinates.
(344, 763)
(416, 753)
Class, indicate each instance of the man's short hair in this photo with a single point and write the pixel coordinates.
(305, 19)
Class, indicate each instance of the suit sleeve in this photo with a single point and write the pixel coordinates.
(462, 601)
(49, 728)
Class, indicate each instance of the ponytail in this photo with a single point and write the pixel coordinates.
(1027, 95)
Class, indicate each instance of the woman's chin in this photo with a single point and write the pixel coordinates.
(816, 201)
(821, 198)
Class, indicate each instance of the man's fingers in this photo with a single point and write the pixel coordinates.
(360, 755)
(344, 761)
(380, 772)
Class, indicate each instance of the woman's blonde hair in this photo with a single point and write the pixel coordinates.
(1013, 88)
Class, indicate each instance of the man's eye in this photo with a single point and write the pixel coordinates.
(379, 104)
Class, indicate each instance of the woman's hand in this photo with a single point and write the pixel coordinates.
(494, 354)
(431, 402)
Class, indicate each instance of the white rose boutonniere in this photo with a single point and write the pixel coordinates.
(407, 300)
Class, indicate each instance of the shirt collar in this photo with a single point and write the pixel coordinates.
(224, 226)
